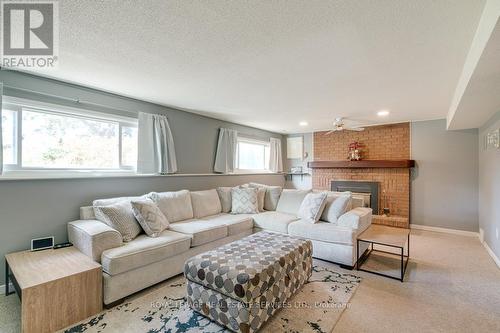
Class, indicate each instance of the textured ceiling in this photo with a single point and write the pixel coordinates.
(271, 64)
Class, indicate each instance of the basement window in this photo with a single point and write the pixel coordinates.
(252, 155)
(53, 138)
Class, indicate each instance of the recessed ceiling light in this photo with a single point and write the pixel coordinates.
(303, 123)
(383, 113)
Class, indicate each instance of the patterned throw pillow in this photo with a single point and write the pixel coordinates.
(272, 195)
(149, 216)
(244, 201)
(312, 206)
(120, 217)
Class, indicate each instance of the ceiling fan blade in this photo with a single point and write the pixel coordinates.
(356, 129)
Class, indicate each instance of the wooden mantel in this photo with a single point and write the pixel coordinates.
(361, 164)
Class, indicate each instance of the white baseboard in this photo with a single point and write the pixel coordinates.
(2, 288)
(492, 254)
(444, 230)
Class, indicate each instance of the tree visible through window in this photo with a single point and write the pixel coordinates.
(61, 140)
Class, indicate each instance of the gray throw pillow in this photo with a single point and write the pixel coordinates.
(150, 217)
(244, 201)
(120, 217)
(312, 206)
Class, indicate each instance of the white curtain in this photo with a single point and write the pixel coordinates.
(156, 151)
(1, 142)
(225, 158)
(276, 157)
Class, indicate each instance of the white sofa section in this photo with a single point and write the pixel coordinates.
(197, 224)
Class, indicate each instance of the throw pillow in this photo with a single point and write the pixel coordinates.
(336, 205)
(225, 198)
(176, 206)
(261, 196)
(244, 201)
(290, 201)
(120, 217)
(272, 195)
(150, 217)
(312, 206)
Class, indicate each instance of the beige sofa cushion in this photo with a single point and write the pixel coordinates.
(272, 195)
(143, 251)
(290, 201)
(236, 224)
(205, 203)
(322, 231)
(274, 221)
(200, 231)
(176, 206)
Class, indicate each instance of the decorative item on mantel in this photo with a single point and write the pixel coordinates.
(354, 151)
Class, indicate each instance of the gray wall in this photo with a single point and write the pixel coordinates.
(445, 182)
(489, 188)
(36, 208)
(299, 182)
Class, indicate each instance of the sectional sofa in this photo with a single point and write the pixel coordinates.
(200, 221)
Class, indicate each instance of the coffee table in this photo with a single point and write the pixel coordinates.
(397, 238)
(242, 284)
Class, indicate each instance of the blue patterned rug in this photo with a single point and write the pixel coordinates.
(315, 308)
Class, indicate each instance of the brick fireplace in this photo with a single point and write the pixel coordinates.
(387, 142)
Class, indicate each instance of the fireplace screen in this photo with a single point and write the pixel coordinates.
(369, 191)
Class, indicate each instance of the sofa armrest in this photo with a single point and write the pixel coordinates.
(92, 237)
(358, 218)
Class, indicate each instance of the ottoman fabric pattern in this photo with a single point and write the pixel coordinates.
(240, 285)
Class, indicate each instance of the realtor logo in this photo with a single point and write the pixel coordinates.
(29, 34)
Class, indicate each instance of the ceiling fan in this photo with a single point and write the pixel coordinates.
(339, 126)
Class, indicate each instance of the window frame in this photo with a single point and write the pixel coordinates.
(18, 105)
(251, 141)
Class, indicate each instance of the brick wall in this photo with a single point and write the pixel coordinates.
(388, 142)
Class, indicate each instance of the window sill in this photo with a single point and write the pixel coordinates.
(34, 175)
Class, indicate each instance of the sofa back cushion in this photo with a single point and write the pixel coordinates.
(337, 203)
(205, 203)
(272, 195)
(290, 201)
(244, 200)
(176, 206)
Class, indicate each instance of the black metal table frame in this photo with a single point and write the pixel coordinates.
(10, 278)
(404, 263)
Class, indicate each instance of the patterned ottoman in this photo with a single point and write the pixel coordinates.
(240, 285)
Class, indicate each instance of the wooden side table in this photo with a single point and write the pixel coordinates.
(398, 238)
(57, 288)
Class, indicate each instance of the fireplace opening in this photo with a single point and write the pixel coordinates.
(369, 191)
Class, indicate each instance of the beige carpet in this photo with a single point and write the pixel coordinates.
(452, 285)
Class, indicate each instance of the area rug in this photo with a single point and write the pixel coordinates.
(315, 308)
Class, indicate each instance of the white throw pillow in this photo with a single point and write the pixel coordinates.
(312, 206)
(290, 201)
(120, 217)
(336, 205)
(150, 217)
(225, 198)
(205, 203)
(272, 195)
(176, 206)
(244, 201)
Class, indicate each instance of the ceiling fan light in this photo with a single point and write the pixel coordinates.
(383, 113)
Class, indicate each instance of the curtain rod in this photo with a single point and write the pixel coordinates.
(70, 99)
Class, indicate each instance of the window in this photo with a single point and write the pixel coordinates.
(252, 155)
(39, 136)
